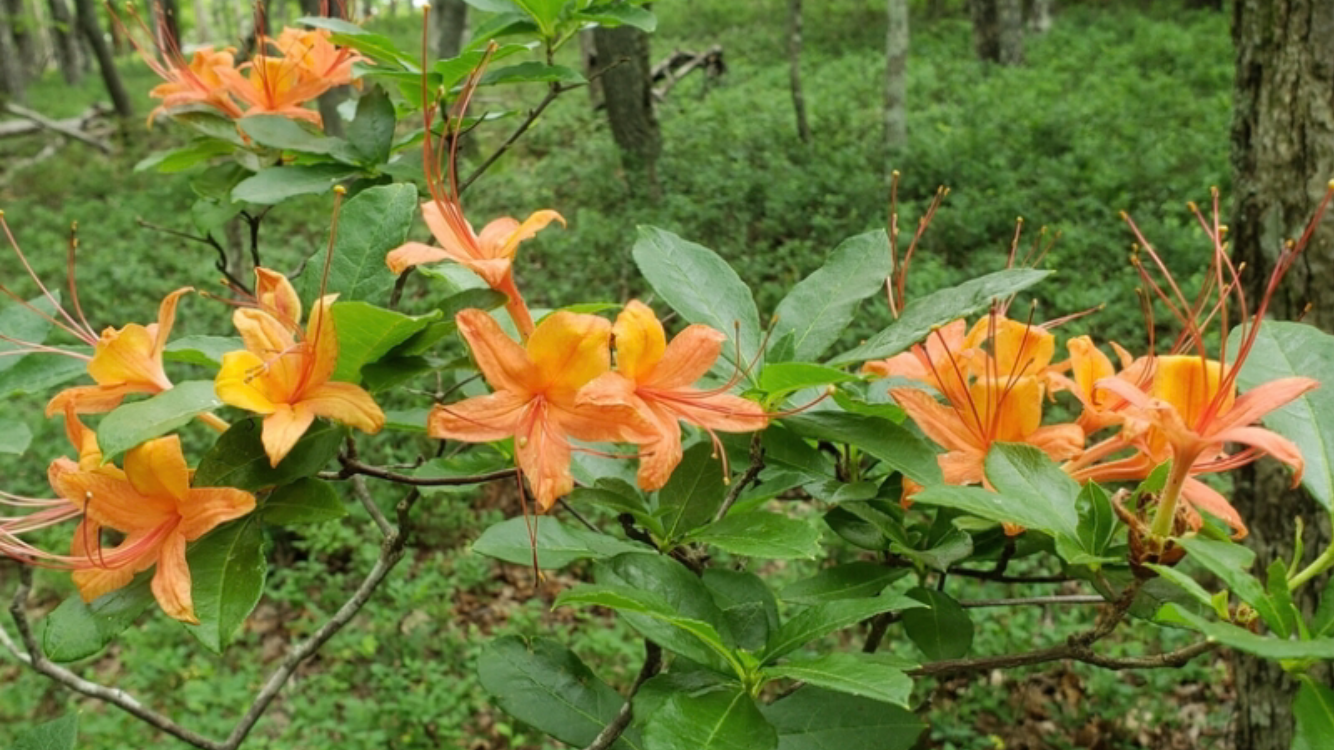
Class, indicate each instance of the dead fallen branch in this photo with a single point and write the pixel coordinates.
(667, 73)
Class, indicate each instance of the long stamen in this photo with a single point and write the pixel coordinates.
(70, 325)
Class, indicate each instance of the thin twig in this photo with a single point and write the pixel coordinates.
(399, 283)
(579, 517)
(879, 624)
(363, 494)
(220, 264)
(1035, 601)
(752, 471)
(608, 736)
(353, 467)
(1076, 652)
(987, 575)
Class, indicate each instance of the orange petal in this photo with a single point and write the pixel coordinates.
(346, 403)
(1058, 441)
(1190, 384)
(171, 581)
(411, 254)
(166, 319)
(112, 501)
(491, 240)
(277, 297)
(543, 453)
(962, 466)
(568, 350)
(502, 361)
(640, 341)
(1270, 442)
(321, 344)
(239, 383)
(481, 419)
(83, 439)
(128, 355)
(535, 223)
(714, 411)
(451, 230)
(283, 428)
(96, 580)
(1207, 499)
(689, 356)
(207, 507)
(608, 409)
(1007, 410)
(91, 399)
(940, 423)
(658, 459)
(157, 469)
(1259, 401)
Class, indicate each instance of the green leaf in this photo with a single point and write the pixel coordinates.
(276, 131)
(480, 460)
(699, 285)
(22, 322)
(367, 333)
(817, 719)
(131, 424)
(1314, 710)
(747, 604)
(612, 493)
(778, 378)
(868, 675)
(1021, 470)
(821, 306)
(35, 374)
(58, 734)
(693, 493)
(762, 534)
(371, 224)
(502, 24)
(822, 619)
(201, 350)
(939, 554)
(544, 684)
(544, 12)
(1284, 350)
(306, 500)
(206, 121)
(532, 72)
(612, 15)
(75, 630)
(189, 155)
(922, 315)
(942, 630)
(1232, 564)
(277, 184)
(371, 132)
(850, 581)
(1098, 524)
(15, 436)
(684, 594)
(1244, 640)
(1322, 623)
(724, 719)
(556, 545)
(227, 570)
(1281, 595)
(891, 443)
(238, 459)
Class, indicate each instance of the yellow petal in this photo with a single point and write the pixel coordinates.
(523, 232)
(277, 297)
(111, 500)
(281, 356)
(240, 383)
(128, 355)
(83, 439)
(166, 319)
(502, 361)
(1190, 384)
(283, 428)
(207, 507)
(171, 581)
(568, 350)
(157, 469)
(346, 403)
(321, 345)
(1007, 411)
(640, 341)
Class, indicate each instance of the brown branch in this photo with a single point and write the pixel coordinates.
(1035, 601)
(752, 472)
(353, 467)
(988, 575)
(608, 736)
(1077, 652)
(221, 264)
(62, 127)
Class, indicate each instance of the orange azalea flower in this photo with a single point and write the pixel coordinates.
(45, 512)
(657, 378)
(945, 344)
(152, 503)
(286, 379)
(125, 360)
(535, 399)
(318, 57)
(274, 86)
(197, 82)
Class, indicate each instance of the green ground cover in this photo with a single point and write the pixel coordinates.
(1118, 108)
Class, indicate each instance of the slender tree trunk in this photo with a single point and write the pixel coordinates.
(794, 63)
(1282, 156)
(86, 14)
(986, 29)
(588, 57)
(203, 34)
(450, 18)
(896, 75)
(1039, 17)
(936, 9)
(65, 41)
(41, 36)
(20, 29)
(11, 71)
(623, 52)
(1010, 19)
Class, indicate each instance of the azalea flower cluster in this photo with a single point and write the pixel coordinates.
(1182, 407)
(284, 373)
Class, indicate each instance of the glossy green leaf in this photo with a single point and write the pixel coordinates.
(201, 350)
(227, 570)
(854, 580)
(238, 459)
(762, 534)
(822, 619)
(1232, 564)
(1281, 595)
(939, 554)
(612, 15)
(478, 461)
(532, 72)
(1284, 350)
(556, 545)
(371, 132)
(615, 494)
(941, 630)
(131, 424)
(546, 686)
(724, 719)
(693, 493)
(1023, 471)
(35, 374)
(544, 12)
(684, 593)
(501, 24)
(1229, 635)
(1322, 623)
(178, 159)
(75, 630)
(15, 436)
(277, 184)
(778, 378)
(370, 224)
(1314, 711)
(893, 444)
(1098, 524)
(747, 604)
(25, 322)
(276, 131)
(922, 315)
(867, 675)
(821, 306)
(366, 333)
(59, 734)
(816, 719)
(699, 285)
(306, 500)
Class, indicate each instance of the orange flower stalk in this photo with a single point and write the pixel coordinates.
(152, 503)
(658, 378)
(284, 373)
(490, 254)
(535, 397)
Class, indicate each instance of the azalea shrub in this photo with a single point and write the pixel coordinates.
(681, 454)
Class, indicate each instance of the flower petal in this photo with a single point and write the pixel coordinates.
(940, 423)
(283, 428)
(277, 297)
(1206, 498)
(166, 319)
(239, 383)
(346, 403)
(207, 507)
(1259, 401)
(92, 399)
(543, 454)
(536, 222)
(320, 349)
(281, 365)
(451, 229)
(502, 361)
(687, 359)
(171, 581)
(480, 419)
(128, 355)
(658, 459)
(157, 469)
(713, 411)
(411, 254)
(112, 501)
(1270, 442)
(640, 341)
(568, 350)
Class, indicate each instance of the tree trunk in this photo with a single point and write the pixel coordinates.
(1205, 4)
(1282, 157)
(450, 18)
(86, 15)
(588, 57)
(1039, 16)
(794, 63)
(623, 53)
(20, 29)
(896, 75)
(11, 70)
(986, 29)
(65, 41)
(1010, 19)
(203, 35)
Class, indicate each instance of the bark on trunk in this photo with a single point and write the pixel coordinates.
(1283, 156)
(896, 75)
(11, 71)
(1010, 20)
(627, 84)
(986, 29)
(91, 29)
(1205, 4)
(1039, 16)
(203, 34)
(794, 65)
(20, 29)
(450, 18)
(588, 57)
